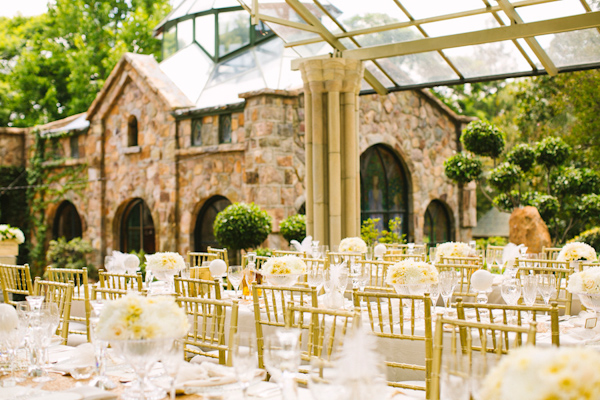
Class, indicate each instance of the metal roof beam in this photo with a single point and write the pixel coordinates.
(564, 24)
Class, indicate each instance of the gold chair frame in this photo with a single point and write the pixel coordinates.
(111, 280)
(15, 279)
(465, 266)
(560, 269)
(189, 287)
(61, 294)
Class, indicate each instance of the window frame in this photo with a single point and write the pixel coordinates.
(124, 241)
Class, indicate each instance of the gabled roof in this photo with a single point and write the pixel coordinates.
(158, 82)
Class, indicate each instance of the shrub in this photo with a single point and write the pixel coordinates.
(552, 152)
(522, 155)
(483, 139)
(71, 255)
(591, 237)
(462, 168)
(369, 232)
(505, 176)
(242, 226)
(293, 228)
(263, 252)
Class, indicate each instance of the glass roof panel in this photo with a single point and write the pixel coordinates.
(594, 5)
(419, 68)
(530, 53)
(185, 33)
(189, 69)
(315, 49)
(348, 43)
(201, 5)
(354, 14)
(461, 25)
(227, 92)
(488, 59)
(378, 74)
(420, 9)
(279, 9)
(275, 64)
(386, 37)
(205, 32)
(182, 10)
(225, 3)
(234, 31)
(555, 9)
(572, 48)
(233, 67)
(289, 34)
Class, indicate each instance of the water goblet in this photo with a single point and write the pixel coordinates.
(235, 274)
(171, 360)
(35, 302)
(315, 278)
(12, 340)
(511, 291)
(245, 360)
(434, 292)
(282, 360)
(448, 280)
(529, 290)
(546, 286)
(432, 251)
(490, 258)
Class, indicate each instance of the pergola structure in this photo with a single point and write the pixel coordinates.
(379, 46)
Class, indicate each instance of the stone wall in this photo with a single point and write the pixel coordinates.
(12, 147)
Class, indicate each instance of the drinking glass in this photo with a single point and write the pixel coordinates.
(369, 254)
(490, 258)
(245, 360)
(35, 302)
(250, 276)
(40, 334)
(12, 340)
(171, 360)
(100, 346)
(434, 292)
(448, 281)
(529, 290)
(511, 291)
(342, 281)
(546, 286)
(185, 273)
(325, 382)
(235, 274)
(282, 360)
(432, 251)
(315, 277)
(454, 377)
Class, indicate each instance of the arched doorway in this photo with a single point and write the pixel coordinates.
(438, 227)
(203, 231)
(67, 222)
(137, 228)
(383, 187)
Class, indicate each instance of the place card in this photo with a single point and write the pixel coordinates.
(590, 323)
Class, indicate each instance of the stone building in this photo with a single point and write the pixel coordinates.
(166, 146)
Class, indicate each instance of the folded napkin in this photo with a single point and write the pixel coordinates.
(208, 374)
(79, 356)
(92, 393)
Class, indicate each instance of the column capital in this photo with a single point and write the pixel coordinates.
(332, 75)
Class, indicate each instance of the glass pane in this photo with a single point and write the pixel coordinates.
(357, 15)
(233, 67)
(315, 49)
(261, 30)
(572, 48)
(169, 42)
(225, 3)
(234, 31)
(197, 132)
(74, 144)
(429, 8)
(529, 53)
(205, 33)
(225, 128)
(418, 68)
(461, 25)
(555, 9)
(488, 59)
(203, 231)
(280, 9)
(185, 33)
(372, 182)
(396, 182)
(428, 227)
(378, 74)
(182, 10)
(386, 37)
(290, 34)
(201, 5)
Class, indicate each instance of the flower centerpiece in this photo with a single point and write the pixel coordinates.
(10, 239)
(577, 251)
(352, 245)
(141, 329)
(165, 265)
(283, 271)
(452, 249)
(410, 276)
(586, 284)
(535, 373)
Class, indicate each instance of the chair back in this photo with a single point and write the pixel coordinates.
(220, 253)
(468, 332)
(60, 294)
(315, 265)
(560, 269)
(396, 256)
(260, 261)
(189, 287)
(81, 294)
(196, 259)
(111, 280)
(15, 279)
(403, 248)
(208, 335)
(502, 314)
(395, 316)
(270, 303)
(107, 293)
(465, 266)
(280, 253)
(377, 271)
(551, 253)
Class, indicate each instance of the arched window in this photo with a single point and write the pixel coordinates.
(383, 187)
(137, 228)
(132, 131)
(438, 228)
(67, 222)
(203, 231)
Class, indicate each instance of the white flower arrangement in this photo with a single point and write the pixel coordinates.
(577, 251)
(134, 317)
(166, 261)
(452, 249)
(535, 373)
(352, 245)
(587, 281)
(8, 232)
(410, 272)
(284, 265)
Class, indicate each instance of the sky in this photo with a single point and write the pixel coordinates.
(27, 8)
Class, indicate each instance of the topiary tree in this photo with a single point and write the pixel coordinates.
(242, 226)
(550, 153)
(483, 139)
(522, 155)
(462, 168)
(293, 228)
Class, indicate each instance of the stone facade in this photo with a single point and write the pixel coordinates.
(263, 163)
(12, 146)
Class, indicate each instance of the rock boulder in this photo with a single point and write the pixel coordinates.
(527, 227)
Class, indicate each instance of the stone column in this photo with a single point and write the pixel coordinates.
(331, 89)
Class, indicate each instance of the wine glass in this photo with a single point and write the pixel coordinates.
(35, 302)
(511, 291)
(235, 274)
(490, 258)
(171, 360)
(282, 360)
(245, 360)
(315, 277)
(432, 251)
(369, 254)
(40, 334)
(529, 290)
(12, 340)
(434, 292)
(448, 281)
(546, 286)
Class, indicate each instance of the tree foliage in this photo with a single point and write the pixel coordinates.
(242, 226)
(293, 228)
(462, 168)
(53, 65)
(483, 139)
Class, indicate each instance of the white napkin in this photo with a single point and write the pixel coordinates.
(79, 356)
(92, 393)
(208, 374)
(305, 246)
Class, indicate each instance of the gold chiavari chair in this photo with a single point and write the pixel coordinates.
(325, 331)
(221, 254)
(189, 287)
(126, 282)
(377, 271)
(496, 251)
(196, 259)
(404, 248)
(315, 266)
(390, 318)
(464, 266)
(583, 265)
(81, 294)
(106, 293)
(208, 336)
(550, 253)
(15, 279)
(260, 260)
(280, 253)
(561, 271)
(396, 257)
(336, 257)
(501, 314)
(61, 295)
(200, 273)
(270, 303)
(470, 331)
